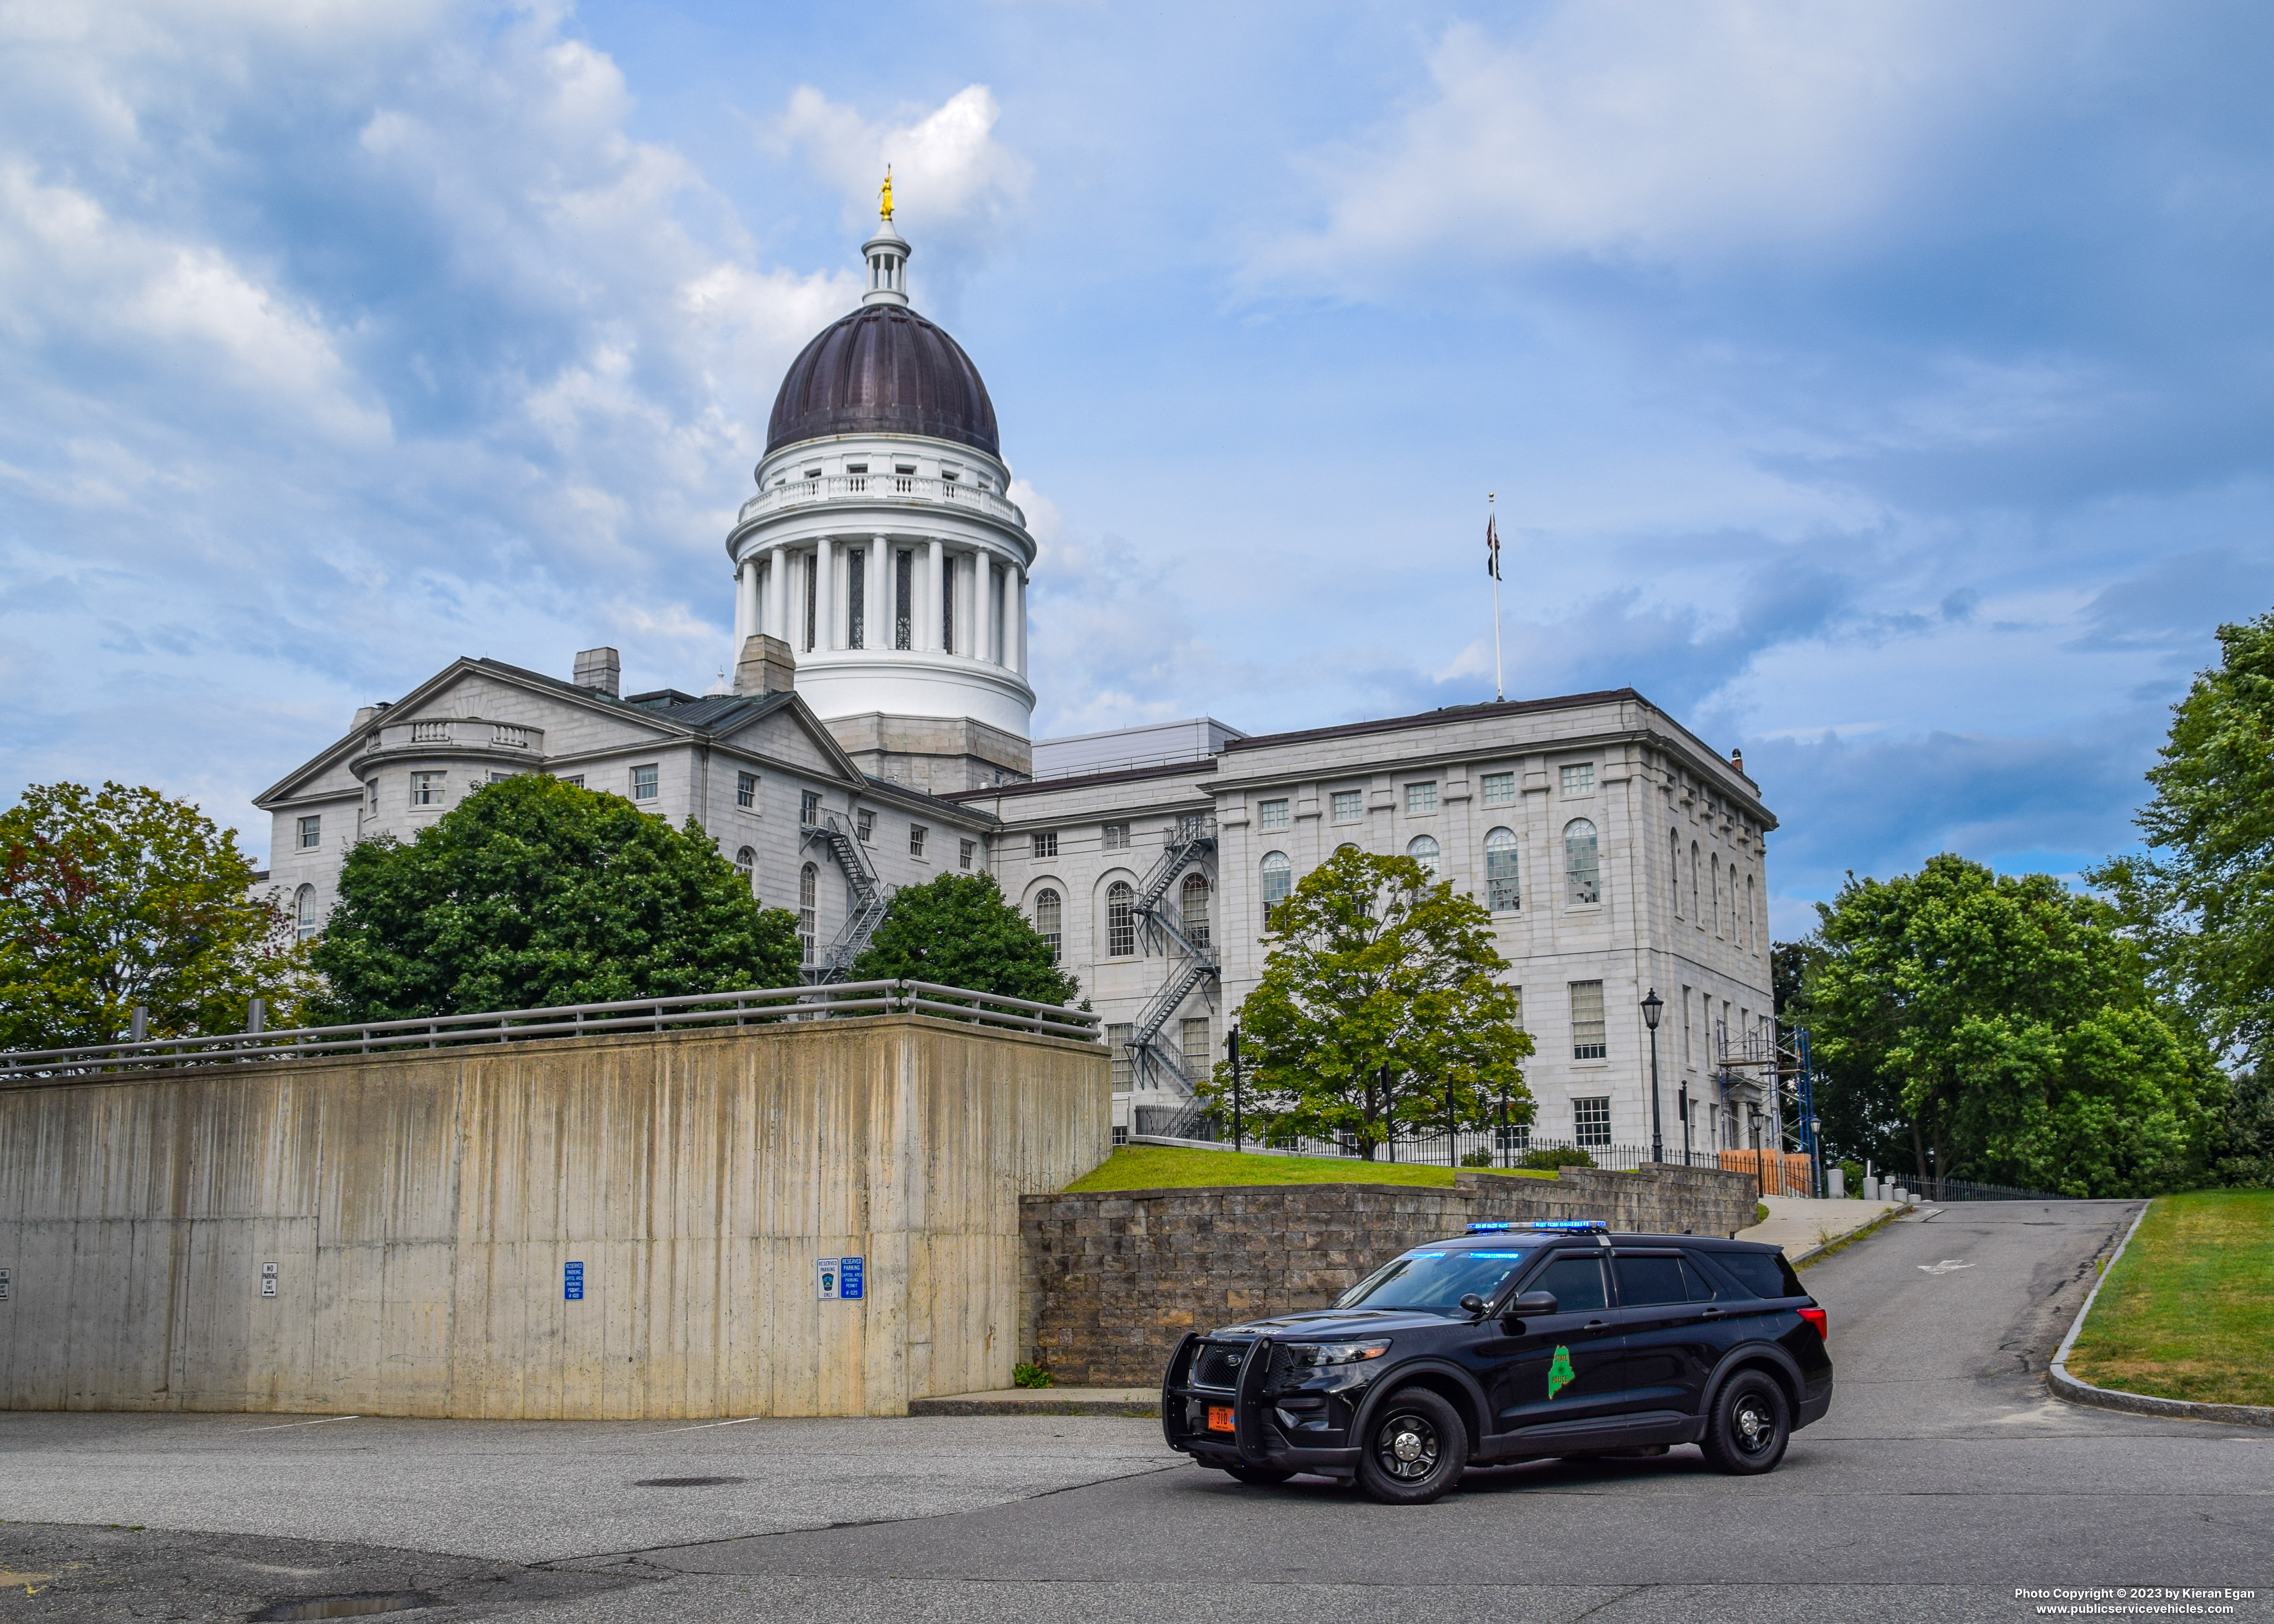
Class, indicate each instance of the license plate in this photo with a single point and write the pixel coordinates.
(1220, 1418)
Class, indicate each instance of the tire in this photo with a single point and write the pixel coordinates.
(1416, 1448)
(1262, 1476)
(1748, 1426)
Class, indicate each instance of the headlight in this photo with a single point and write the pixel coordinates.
(1311, 1356)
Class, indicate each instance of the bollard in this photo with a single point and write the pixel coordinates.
(256, 1016)
(1838, 1177)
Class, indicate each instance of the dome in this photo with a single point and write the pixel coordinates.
(884, 369)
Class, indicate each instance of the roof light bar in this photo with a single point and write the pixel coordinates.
(1562, 1226)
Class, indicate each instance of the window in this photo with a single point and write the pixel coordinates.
(1499, 789)
(304, 912)
(1519, 991)
(643, 786)
(809, 806)
(812, 595)
(430, 732)
(1048, 919)
(1120, 922)
(1501, 891)
(856, 595)
(1646, 1282)
(747, 862)
(1271, 814)
(1582, 878)
(1117, 836)
(1423, 850)
(746, 789)
(1195, 897)
(1278, 878)
(1587, 1022)
(1674, 867)
(808, 890)
(1349, 805)
(1591, 1122)
(426, 789)
(576, 779)
(1694, 913)
(1579, 780)
(1752, 918)
(916, 840)
(371, 798)
(1193, 1037)
(963, 858)
(947, 605)
(1124, 1068)
(865, 825)
(1046, 843)
(1578, 1282)
(1689, 1054)
(1714, 883)
(904, 598)
(1421, 797)
(312, 833)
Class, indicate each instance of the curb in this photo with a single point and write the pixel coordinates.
(1824, 1249)
(2076, 1390)
(1042, 1401)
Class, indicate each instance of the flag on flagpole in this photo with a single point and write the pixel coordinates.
(1492, 546)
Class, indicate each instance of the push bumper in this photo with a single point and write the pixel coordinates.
(1254, 1441)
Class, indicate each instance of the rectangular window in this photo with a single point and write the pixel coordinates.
(1688, 1052)
(371, 798)
(857, 598)
(947, 605)
(1499, 789)
(963, 859)
(1116, 1039)
(577, 778)
(812, 594)
(500, 777)
(1591, 1122)
(916, 840)
(426, 789)
(1046, 843)
(1421, 797)
(1587, 1022)
(1271, 814)
(904, 596)
(865, 825)
(1350, 805)
(1195, 1045)
(644, 784)
(312, 833)
(1579, 780)
(809, 806)
(1117, 836)
(1519, 991)
(746, 789)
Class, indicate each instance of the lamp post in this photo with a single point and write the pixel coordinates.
(1816, 1151)
(1232, 1044)
(1652, 1006)
(1682, 1109)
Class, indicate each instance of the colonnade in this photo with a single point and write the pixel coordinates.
(962, 600)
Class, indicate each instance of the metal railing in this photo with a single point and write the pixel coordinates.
(1967, 1189)
(1210, 1122)
(754, 1007)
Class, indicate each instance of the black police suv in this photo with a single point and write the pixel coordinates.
(1511, 1343)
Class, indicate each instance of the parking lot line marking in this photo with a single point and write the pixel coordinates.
(706, 1426)
(281, 1425)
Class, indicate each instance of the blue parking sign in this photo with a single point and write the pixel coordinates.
(848, 1278)
(572, 1282)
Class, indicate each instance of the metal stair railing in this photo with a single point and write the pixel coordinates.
(1161, 921)
(869, 898)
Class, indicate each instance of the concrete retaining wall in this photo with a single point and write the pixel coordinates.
(1114, 1279)
(420, 1207)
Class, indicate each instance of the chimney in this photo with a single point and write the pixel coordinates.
(364, 718)
(766, 666)
(601, 670)
(1737, 759)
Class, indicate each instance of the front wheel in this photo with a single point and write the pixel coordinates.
(1750, 1425)
(1261, 1476)
(1416, 1449)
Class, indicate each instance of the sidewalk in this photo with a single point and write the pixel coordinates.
(1044, 1401)
(1802, 1226)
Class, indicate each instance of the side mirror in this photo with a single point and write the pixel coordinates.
(1529, 1303)
(1474, 1306)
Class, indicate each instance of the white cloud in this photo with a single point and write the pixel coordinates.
(949, 172)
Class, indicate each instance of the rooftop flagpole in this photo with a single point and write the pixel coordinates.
(1491, 567)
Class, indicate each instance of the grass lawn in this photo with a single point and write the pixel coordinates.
(2189, 1310)
(1164, 1166)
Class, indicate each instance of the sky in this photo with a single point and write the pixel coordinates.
(1883, 389)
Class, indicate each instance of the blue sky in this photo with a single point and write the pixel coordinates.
(1883, 388)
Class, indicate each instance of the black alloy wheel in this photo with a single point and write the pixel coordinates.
(1260, 1475)
(1750, 1425)
(1416, 1449)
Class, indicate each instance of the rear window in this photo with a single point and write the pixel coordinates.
(1645, 1280)
(1435, 1277)
(1764, 1273)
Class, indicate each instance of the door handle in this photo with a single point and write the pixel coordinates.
(1713, 1313)
(1598, 1325)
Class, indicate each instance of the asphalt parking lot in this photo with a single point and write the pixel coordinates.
(1943, 1480)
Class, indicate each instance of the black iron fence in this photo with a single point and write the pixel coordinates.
(1966, 1189)
(1198, 1122)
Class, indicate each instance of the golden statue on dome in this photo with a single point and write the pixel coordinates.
(885, 204)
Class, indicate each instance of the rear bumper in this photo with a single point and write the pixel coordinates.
(1814, 1403)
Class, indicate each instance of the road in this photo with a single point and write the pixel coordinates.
(1944, 1478)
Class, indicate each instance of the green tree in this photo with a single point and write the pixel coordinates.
(116, 897)
(532, 892)
(2202, 900)
(2011, 1024)
(958, 931)
(1862, 1111)
(1380, 1004)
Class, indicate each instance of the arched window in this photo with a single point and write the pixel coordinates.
(1583, 880)
(1713, 880)
(1278, 879)
(1049, 919)
(1752, 920)
(1347, 845)
(1423, 849)
(1674, 867)
(1195, 898)
(747, 862)
(1120, 926)
(1695, 912)
(808, 890)
(1501, 893)
(304, 912)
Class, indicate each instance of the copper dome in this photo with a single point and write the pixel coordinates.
(884, 369)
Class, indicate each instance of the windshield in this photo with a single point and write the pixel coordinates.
(1435, 1277)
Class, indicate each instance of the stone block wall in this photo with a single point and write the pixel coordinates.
(1111, 1280)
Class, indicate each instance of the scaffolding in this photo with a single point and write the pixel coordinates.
(1770, 1071)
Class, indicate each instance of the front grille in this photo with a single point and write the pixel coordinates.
(1283, 1369)
(1218, 1366)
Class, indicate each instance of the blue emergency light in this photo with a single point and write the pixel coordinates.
(1561, 1226)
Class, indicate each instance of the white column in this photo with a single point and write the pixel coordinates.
(929, 619)
(824, 587)
(747, 620)
(880, 594)
(778, 593)
(1019, 600)
(742, 626)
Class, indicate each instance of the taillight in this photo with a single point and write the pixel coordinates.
(1817, 1318)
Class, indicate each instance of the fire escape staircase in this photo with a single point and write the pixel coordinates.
(866, 898)
(1159, 917)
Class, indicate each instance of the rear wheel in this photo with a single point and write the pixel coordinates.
(1416, 1448)
(1262, 1475)
(1750, 1425)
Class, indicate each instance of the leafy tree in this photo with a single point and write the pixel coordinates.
(1379, 1004)
(532, 892)
(2010, 1023)
(1862, 1111)
(116, 897)
(2201, 902)
(958, 930)
(2246, 1149)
